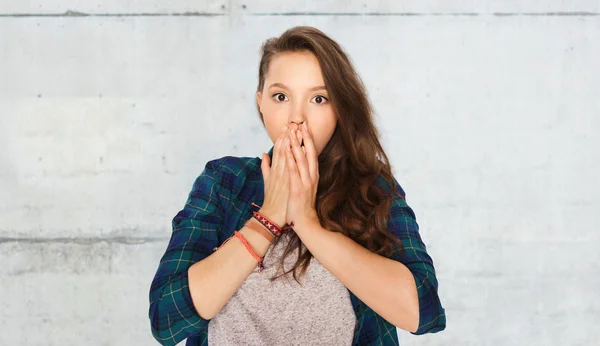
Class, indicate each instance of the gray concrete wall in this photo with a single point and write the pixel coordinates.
(490, 113)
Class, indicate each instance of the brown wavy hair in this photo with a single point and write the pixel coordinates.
(348, 199)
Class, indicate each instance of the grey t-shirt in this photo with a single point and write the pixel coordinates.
(284, 313)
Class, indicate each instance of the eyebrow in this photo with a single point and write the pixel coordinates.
(321, 87)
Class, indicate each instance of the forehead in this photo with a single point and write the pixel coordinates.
(295, 68)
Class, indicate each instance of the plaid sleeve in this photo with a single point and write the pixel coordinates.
(172, 313)
(403, 224)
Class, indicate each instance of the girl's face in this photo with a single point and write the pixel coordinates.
(294, 92)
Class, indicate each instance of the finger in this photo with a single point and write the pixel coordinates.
(284, 144)
(275, 161)
(292, 167)
(283, 165)
(311, 151)
(300, 159)
(265, 166)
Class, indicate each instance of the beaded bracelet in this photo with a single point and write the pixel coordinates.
(270, 225)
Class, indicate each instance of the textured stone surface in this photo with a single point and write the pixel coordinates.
(489, 112)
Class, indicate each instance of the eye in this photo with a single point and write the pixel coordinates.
(322, 99)
(279, 98)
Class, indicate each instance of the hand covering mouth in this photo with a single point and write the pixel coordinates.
(301, 139)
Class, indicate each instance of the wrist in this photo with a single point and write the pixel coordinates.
(274, 217)
(307, 221)
(257, 241)
(259, 228)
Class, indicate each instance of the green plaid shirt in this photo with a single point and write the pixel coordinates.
(219, 203)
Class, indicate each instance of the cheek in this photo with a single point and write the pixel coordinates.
(273, 125)
(271, 130)
(322, 136)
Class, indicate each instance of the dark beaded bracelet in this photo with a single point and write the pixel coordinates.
(270, 225)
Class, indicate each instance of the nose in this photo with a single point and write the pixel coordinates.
(298, 124)
(297, 116)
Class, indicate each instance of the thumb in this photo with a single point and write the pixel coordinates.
(265, 166)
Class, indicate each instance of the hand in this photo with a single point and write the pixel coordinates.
(276, 178)
(303, 168)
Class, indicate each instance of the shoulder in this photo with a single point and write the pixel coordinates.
(238, 166)
(391, 187)
(232, 172)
